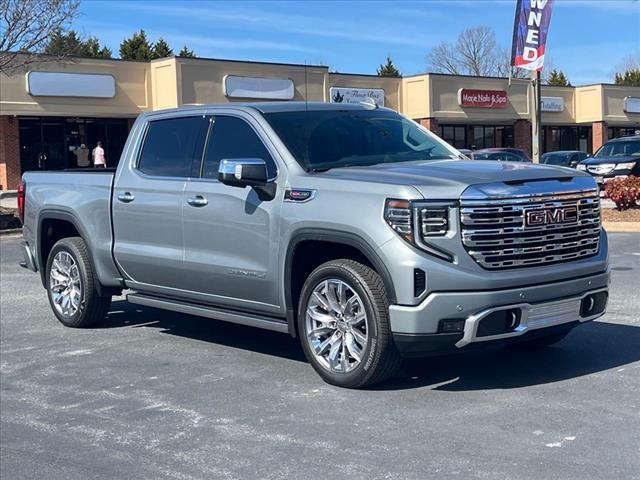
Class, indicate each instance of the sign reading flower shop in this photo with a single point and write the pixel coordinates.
(468, 97)
(356, 95)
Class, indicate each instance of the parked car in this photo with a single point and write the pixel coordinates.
(564, 158)
(501, 154)
(352, 228)
(619, 157)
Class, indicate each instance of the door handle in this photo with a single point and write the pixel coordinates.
(197, 201)
(126, 197)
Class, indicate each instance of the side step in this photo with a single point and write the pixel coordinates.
(241, 318)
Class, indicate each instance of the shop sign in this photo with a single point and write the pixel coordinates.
(632, 104)
(58, 84)
(468, 97)
(258, 87)
(551, 104)
(356, 95)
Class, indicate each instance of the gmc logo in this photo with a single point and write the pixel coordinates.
(550, 216)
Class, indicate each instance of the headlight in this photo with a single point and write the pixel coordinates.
(625, 166)
(581, 167)
(431, 219)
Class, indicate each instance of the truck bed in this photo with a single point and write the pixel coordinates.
(81, 197)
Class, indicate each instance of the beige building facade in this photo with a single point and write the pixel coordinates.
(48, 112)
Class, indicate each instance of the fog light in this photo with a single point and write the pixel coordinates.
(453, 325)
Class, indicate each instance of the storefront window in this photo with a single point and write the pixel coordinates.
(454, 135)
(560, 138)
(617, 132)
(48, 143)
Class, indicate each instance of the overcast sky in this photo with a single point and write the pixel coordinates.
(587, 39)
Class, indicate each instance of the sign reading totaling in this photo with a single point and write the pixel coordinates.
(530, 29)
(356, 95)
(551, 104)
(468, 97)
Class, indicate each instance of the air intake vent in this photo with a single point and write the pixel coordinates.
(419, 282)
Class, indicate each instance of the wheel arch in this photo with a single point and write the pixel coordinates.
(67, 226)
(338, 244)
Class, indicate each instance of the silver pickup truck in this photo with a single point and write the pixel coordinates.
(349, 227)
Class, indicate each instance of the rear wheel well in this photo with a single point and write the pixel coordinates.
(52, 230)
(310, 254)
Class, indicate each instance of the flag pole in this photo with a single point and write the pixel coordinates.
(535, 124)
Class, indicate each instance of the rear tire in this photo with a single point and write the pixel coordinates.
(343, 321)
(72, 286)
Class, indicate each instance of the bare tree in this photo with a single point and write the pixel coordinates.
(475, 52)
(25, 28)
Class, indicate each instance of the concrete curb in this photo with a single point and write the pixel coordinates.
(613, 227)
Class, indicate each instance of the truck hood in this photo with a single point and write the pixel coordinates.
(449, 178)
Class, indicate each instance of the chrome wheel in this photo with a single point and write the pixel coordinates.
(64, 283)
(336, 326)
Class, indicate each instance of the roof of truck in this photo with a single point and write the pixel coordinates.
(271, 107)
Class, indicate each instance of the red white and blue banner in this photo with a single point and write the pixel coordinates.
(530, 30)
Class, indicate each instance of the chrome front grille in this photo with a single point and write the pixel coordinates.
(496, 235)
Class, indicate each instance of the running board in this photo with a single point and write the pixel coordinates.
(248, 319)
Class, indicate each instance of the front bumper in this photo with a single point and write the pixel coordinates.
(537, 307)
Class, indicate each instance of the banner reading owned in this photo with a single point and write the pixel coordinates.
(530, 30)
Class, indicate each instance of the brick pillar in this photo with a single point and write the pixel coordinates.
(522, 136)
(430, 123)
(600, 134)
(10, 170)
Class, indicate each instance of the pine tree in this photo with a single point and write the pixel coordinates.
(63, 44)
(185, 52)
(557, 78)
(388, 69)
(70, 44)
(630, 78)
(136, 48)
(94, 50)
(161, 49)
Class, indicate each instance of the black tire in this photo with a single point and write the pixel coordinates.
(92, 307)
(380, 358)
(546, 341)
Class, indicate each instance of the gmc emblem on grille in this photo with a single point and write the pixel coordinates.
(550, 216)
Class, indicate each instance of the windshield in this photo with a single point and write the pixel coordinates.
(619, 149)
(556, 158)
(324, 139)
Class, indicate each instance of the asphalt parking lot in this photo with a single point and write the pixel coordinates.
(153, 394)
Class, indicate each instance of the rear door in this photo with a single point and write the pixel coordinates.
(231, 236)
(148, 202)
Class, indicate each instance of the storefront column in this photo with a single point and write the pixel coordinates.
(522, 135)
(600, 134)
(10, 171)
(430, 123)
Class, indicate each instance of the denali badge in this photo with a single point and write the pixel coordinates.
(549, 216)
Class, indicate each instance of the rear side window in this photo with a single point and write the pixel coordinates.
(233, 138)
(171, 146)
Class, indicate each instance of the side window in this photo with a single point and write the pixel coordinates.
(171, 146)
(233, 138)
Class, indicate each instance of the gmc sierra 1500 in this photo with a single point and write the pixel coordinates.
(350, 227)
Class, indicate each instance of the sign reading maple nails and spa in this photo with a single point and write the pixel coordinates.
(356, 95)
(468, 97)
(551, 104)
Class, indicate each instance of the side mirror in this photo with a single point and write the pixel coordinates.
(243, 172)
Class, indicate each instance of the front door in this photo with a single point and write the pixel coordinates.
(148, 204)
(230, 235)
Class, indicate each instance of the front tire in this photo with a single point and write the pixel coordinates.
(72, 286)
(343, 320)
